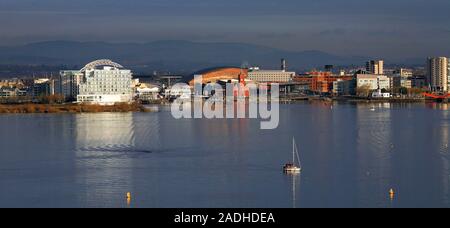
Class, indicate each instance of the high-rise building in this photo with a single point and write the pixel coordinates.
(438, 73)
(375, 67)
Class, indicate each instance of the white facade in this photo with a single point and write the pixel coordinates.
(379, 94)
(373, 81)
(105, 86)
(257, 75)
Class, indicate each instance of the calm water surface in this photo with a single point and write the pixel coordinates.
(351, 155)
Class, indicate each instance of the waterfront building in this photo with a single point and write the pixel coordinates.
(181, 92)
(147, 92)
(266, 76)
(8, 92)
(375, 67)
(419, 82)
(373, 81)
(220, 74)
(101, 82)
(344, 87)
(68, 84)
(105, 82)
(401, 82)
(43, 87)
(323, 82)
(12, 83)
(379, 94)
(438, 73)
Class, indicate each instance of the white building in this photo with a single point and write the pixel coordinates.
(257, 75)
(379, 94)
(373, 81)
(105, 82)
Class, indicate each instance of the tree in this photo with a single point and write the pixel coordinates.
(363, 91)
(403, 91)
(416, 91)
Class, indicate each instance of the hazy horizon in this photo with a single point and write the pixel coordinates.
(394, 30)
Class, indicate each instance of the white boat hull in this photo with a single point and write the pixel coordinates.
(292, 170)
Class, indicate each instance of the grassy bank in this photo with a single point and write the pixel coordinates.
(70, 108)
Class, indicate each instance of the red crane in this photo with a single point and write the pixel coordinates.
(436, 96)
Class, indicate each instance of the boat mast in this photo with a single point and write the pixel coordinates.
(293, 150)
(298, 157)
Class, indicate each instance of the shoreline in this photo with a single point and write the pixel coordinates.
(72, 108)
(31, 108)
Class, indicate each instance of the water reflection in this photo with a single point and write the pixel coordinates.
(351, 156)
(374, 151)
(108, 145)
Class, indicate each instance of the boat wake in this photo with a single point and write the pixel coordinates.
(116, 149)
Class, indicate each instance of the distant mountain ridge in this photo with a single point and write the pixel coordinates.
(170, 55)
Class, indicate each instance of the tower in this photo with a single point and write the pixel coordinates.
(283, 65)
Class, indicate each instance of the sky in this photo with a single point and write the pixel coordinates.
(383, 28)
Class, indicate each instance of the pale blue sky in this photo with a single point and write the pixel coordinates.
(385, 28)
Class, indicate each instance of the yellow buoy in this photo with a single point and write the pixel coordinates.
(128, 198)
(392, 193)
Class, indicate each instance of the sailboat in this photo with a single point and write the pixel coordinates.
(292, 167)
